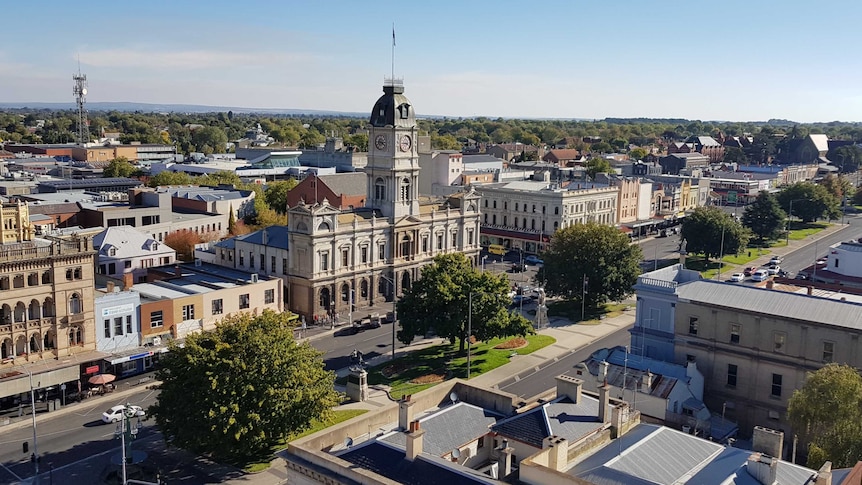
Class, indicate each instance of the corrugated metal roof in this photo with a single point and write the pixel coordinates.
(776, 303)
(450, 428)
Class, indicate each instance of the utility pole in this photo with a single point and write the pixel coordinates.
(33, 412)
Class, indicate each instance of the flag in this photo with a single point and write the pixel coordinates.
(393, 35)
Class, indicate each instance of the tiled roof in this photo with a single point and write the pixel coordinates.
(565, 154)
(346, 183)
(276, 237)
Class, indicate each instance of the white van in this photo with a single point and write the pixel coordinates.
(760, 275)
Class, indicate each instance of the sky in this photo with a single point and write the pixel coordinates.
(732, 60)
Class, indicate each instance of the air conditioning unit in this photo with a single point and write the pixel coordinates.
(157, 341)
(254, 278)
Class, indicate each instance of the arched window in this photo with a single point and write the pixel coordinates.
(75, 306)
(33, 279)
(363, 288)
(324, 226)
(405, 247)
(48, 308)
(33, 312)
(533, 224)
(46, 278)
(556, 225)
(301, 227)
(379, 189)
(405, 190)
(345, 292)
(20, 312)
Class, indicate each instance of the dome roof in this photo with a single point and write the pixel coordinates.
(393, 108)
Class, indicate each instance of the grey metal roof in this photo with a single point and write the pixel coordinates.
(776, 303)
(275, 236)
(481, 158)
(93, 182)
(561, 417)
(129, 242)
(450, 428)
(351, 183)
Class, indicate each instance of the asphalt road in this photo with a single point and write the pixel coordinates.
(541, 378)
(68, 439)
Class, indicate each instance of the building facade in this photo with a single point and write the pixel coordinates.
(124, 249)
(361, 255)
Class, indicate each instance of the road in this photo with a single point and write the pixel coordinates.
(69, 438)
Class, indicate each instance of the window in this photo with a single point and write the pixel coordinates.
(128, 264)
(251, 260)
(218, 307)
(425, 242)
(188, 312)
(345, 258)
(556, 211)
(241, 257)
(118, 325)
(734, 333)
(269, 296)
(516, 206)
(363, 254)
(779, 339)
(324, 261)
(379, 189)
(776, 385)
(283, 265)
(272, 264)
(75, 304)
(381, 252)
(828, 351)
(128, 324)
(156, 319)
(692, 325)
(495, 203)
(732, 372)
(243, 301)
(440, 242)
(836, 262)
(112, 268)
(470, 237)
(107, 328)
(505, 205)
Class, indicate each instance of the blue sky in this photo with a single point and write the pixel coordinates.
(730, 60)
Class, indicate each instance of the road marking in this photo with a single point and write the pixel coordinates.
(146, 438)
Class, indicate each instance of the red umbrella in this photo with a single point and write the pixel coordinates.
(102, 379)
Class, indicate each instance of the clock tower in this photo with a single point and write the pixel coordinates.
(393, 159)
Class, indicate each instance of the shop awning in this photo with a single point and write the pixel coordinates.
(134, 354)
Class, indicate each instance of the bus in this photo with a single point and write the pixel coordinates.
(497, 249)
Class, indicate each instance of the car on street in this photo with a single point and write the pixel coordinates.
(776, 260)
(533, 259)
(749, 270)
(518, 300)
(737, 277)
(773, 270)
(518, 268)
(115, 414)
(760, 275)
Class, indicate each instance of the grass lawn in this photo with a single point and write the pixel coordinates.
(337, 416)
(801, 230)
(572, 310)
(424, 368)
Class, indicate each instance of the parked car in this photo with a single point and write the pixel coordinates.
(760, 275)
(773, 270)
(389, 318)
(115, 414)
(776, 260)
(518, 268)
(737, 277)
(532, 259)
(749, 270)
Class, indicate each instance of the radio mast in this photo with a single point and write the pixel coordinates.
(80, 92)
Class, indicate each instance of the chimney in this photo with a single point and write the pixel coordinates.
(824, 474)
(405, 412)
(763, 468)
(414, 441)
(770, 284)
(646, 382)
(810, 290)
(768, 441)
(618, 414)
(569, 386)
(128, 281)
(504, 462)
(603, 371)
(110, 287)
(264, 236)
(558, 457)
(604, 401)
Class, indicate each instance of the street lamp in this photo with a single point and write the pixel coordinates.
(127, 432)
(483, 262)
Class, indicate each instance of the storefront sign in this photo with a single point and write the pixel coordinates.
(117, 310)
(91, 370)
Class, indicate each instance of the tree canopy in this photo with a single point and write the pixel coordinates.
(810, 202)
(276, 194)
(847, 158)
(602, 253)
(705, 229)
(241, 389)
(119, 167)
(598, 165)
(826, 413)
(764, 217)
(440, 300)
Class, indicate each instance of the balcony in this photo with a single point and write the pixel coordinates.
(75, 318)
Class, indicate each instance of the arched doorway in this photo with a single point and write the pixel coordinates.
(405, 282)
(6, 349)
(20, 345)
(49, 341)
(325, 299)
(20, 312)
(363, 289)
(33, 313)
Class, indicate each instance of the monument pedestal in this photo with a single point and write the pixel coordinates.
(357, 384)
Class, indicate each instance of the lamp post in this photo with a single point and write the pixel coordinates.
(127, 432)
(483, 262)
(33, 412)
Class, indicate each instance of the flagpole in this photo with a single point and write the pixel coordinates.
(393, 52)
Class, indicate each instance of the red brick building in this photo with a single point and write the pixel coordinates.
(342, 190)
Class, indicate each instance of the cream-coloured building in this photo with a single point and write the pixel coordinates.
(336, 256)
(16, 222)
(525, 214)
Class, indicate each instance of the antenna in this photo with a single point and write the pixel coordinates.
(80, 92)
(393, 51)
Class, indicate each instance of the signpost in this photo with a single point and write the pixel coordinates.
(731, 197)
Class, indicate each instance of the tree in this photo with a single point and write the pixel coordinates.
(231, 222)
(445, 142)
(838, 187)
(826, 413)
(602, 254)
(764, 217)
(706, 228)
(846, 157)
(810, 202)
(311, 138)
(440, 300)
(119, 167)
(276, 194)
(598, 165)
(638, 153)
(183, 242)
(170, 178)
(242, 388)
(210, 136)
(734, 155)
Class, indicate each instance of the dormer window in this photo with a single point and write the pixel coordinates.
(112, 251)
(404, 111)
(155, 246)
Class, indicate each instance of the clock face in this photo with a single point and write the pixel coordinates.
(404, 143)
(380, 142)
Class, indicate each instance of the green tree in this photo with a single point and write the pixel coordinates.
(706, 228)
(598, 165)
(242, 388)
(810, 201)
(826, 413)
(445, 142)
(735, 155)
(231, 222)
(440, 300)
(311, 138)
(838, 186)
(119, 167)
(212, 137)
(764, 217)
(847, 158)
(638, 153)
(170, 178)
(276, 194)
(602, 254)
(601, 147)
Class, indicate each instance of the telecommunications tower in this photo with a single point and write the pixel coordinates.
(80, 92)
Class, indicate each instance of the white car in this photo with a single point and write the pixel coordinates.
(737, 277)
(776, 260)
(760, 275)
(115, 414)
(773, 270)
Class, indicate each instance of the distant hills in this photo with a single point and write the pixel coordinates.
(175, 108)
